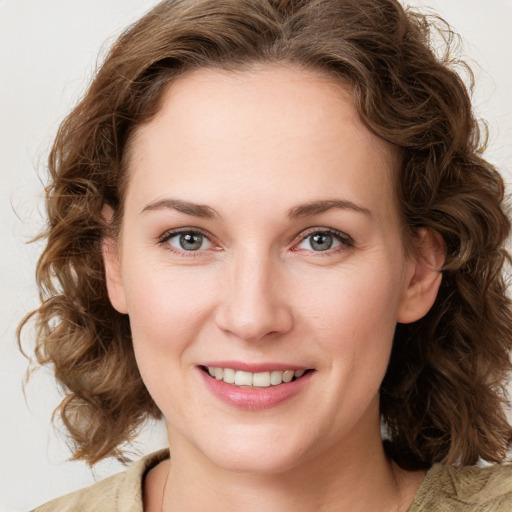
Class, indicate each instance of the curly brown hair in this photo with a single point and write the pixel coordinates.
(443, 395)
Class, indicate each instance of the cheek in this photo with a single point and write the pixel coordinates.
(353, 315)
(166, 308)
(358, 296)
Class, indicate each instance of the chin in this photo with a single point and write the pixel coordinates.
(262, 463)
(257, 455)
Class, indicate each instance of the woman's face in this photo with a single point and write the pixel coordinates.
(261, 239)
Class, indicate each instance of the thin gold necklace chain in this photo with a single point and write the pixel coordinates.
(165, 488)
(396, 485)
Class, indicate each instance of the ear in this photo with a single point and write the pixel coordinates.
(112, 263)
(423, 277)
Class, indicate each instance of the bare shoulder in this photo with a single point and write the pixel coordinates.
(475, 489)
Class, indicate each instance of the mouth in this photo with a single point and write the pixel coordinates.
(244, 379)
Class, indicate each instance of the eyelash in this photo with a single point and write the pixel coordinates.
(164, 239)
(346, 242)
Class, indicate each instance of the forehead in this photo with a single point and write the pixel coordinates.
(264, 129)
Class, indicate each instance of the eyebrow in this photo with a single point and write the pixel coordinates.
(206, 212)
(196, 210)
(317, 207)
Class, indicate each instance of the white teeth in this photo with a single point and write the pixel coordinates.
(260, 379)
(276, 378)
(229, 375)
(243, 378)
(287, 376)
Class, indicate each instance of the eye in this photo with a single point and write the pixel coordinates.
(188, 241)
(324, 240)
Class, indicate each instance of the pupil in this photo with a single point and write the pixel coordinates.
(321, 242)
(191, 241)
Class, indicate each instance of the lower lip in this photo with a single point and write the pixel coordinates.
(254, 398)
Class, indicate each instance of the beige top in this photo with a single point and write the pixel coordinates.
(444, 489)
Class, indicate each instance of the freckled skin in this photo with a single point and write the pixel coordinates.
(253, 146)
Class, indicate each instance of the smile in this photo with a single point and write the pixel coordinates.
(266, 386)
(258, 380)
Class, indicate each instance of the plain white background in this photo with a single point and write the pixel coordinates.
(48, 52)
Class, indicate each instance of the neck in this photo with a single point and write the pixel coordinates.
(354, 475)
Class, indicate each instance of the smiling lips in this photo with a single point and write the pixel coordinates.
(256, 380)
(254, 386)
(256, 390)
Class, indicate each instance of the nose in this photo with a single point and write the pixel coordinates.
(254, 305)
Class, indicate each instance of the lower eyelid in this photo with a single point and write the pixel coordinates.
(343, 239)
(204, 241)
(166, 237)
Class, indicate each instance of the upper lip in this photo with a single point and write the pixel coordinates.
(255, 367)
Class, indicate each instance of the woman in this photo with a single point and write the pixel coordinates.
(269, 224)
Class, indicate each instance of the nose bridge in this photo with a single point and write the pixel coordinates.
(254, 305)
